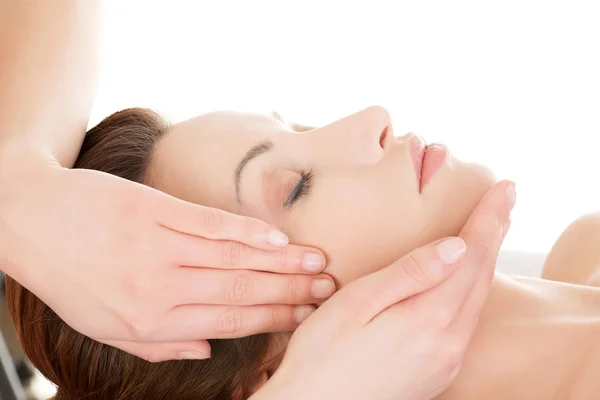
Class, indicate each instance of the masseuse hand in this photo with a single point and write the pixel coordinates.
(372, 340)
(132, 267)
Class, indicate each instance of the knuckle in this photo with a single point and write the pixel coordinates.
(230, 323)
(136, 287)
(239, 289)
(131, 289)
(357, 305)
(271, 319)
(128, 206)
(483, 249)
(142, 330)
(442, 318)
(232, 253)
(452, 353)
(248, 226)
(483, 223)
(485, 245)
(292, 291)
(413, 269)
(212, 220)
(284, 256)
(153, 358)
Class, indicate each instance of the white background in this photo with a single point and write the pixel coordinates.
(512, 84)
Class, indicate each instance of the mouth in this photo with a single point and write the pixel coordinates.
(427, 159)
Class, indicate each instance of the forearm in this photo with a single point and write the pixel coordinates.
(48, 75)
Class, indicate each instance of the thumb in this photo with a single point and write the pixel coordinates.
(416, 272)
(158, 352)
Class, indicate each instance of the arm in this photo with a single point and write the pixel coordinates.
(65, 235)
(48, 76)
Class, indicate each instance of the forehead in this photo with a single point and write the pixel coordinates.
(196, 160)
(224, 125)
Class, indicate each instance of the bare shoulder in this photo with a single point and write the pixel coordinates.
(523, 317)
(575, 257)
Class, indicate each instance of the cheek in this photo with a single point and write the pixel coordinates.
(455, 195)
(366, 220)
(362, 223)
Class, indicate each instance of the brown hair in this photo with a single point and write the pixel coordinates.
(122, 144)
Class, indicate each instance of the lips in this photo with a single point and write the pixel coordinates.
(427, 159)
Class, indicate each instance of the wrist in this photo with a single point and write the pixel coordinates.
(21, 161)
(25, 173)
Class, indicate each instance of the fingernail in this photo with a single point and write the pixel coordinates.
(313, 262)
(451, 250)
(322, 288)
(506, 228)
(302, 312)
(511, 195)
(277, 238)
(193, 355)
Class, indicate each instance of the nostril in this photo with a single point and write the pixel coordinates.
(382, 137)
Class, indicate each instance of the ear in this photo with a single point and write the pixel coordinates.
(277, 346)
(262, 379)
(268, 371)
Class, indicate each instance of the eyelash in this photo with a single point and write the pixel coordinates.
(301, 188)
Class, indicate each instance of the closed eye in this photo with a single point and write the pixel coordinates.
(301, 189)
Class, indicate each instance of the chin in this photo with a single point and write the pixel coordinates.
(482, 178)
(459, 194)
(475, 183)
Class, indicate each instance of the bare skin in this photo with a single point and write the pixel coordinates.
(578, 246)
(48, 72)
(537, 338)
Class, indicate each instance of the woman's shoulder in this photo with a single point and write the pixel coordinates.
(575, 257)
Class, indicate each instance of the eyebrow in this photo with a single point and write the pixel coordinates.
(256, 150)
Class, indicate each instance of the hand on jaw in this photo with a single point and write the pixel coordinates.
(401, 332)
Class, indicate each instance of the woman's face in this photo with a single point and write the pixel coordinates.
(349, 188)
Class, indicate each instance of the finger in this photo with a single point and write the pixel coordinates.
(158, 352)
(194, 251)
(224, 322)
(240, 287)
(468, 316)
(483, 234)
(414, 273)
(212, 223)
(440, 304)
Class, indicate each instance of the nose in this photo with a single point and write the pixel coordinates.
(360, 138)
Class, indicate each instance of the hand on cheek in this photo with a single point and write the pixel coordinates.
(379, 337)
